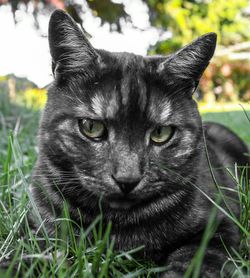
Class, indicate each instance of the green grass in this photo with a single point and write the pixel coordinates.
(64, 255)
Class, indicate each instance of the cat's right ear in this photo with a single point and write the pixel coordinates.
(70, 50)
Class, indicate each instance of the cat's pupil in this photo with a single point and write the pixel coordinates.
(158, 131)
(90, 126)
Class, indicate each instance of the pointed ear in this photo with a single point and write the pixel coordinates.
(70, 50)
(190, 62)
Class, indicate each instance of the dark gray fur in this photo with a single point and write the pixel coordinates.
(132, 94)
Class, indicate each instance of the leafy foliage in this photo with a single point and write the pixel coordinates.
(189, 19)
(185, 19)
(21, 90)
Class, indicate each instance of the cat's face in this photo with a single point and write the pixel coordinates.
(122, 126)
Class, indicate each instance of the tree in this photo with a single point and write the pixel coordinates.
(108, 11)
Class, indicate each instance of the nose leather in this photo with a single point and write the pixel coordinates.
(126, 185)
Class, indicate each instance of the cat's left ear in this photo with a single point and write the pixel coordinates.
(70, 50)
(190, 62)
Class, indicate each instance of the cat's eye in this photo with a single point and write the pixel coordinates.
(92, 128)
(161, 134)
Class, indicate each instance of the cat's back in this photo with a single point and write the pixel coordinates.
(226, 144)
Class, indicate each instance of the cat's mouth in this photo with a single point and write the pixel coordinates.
(118, 201)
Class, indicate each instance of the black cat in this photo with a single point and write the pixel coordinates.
(125, 127)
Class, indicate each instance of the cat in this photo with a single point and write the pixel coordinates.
(126, 129)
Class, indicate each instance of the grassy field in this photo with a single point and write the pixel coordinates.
(63, 255)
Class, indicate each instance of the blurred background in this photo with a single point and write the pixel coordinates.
(139, 26)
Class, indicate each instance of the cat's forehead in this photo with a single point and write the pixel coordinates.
(128, 89)
(130, 64)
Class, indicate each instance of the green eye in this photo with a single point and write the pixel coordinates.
(161, 134)
(91, 128)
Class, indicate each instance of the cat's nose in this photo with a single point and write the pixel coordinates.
(126, 184)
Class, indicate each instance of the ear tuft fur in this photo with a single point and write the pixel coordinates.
(69, 48)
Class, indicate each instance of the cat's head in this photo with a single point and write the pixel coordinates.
(118, 124)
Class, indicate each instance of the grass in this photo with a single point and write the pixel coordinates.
(63, 255)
